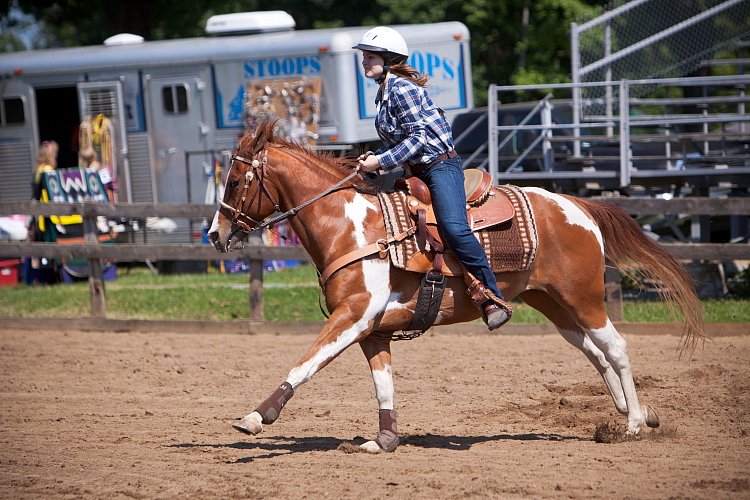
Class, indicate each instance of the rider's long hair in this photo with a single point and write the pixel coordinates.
(410, 73)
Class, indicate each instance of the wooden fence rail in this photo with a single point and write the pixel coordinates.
(720, 252)
(256, 253)
(128, 252)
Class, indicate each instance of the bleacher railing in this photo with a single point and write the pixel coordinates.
(630, 132)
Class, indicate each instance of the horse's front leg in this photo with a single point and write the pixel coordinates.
(339, 332)
(378, 354)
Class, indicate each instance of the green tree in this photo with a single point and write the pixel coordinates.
(522, 41)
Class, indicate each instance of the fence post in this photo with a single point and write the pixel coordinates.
(613, 293)
(97, 298)
(256, 284)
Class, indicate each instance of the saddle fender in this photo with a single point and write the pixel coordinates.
(504, 224)
(421, 262)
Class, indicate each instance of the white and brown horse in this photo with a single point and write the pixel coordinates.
(335, 214)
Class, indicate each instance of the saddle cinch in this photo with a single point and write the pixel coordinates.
(486, 207)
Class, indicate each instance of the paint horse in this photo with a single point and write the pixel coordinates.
(335, 213)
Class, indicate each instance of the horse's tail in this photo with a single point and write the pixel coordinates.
(629, 249)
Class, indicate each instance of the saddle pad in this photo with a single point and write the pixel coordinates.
(510, 246)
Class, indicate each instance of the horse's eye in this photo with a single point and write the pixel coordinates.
(234, 183)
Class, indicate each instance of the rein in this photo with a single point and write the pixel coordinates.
(239, 210)
(380, 247)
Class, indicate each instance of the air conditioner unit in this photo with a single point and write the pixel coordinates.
(123, 39)
(249, 22)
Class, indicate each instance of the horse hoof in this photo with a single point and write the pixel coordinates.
(251, 424)
(652, 419)
(371, 447)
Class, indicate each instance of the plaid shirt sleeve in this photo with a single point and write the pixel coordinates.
(406, 101)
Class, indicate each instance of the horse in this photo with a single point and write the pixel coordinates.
(334, 211)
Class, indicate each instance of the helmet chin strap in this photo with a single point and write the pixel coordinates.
(379, 80)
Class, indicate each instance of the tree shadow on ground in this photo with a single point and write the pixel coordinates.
(284, 445)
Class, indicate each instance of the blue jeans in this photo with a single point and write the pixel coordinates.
(446, 183)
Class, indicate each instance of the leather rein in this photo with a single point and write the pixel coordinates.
(239, 217)
(238, 212)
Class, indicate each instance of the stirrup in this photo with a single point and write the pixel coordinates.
(498, 312)
(496, 315)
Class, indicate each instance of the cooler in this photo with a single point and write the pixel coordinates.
(9, 272)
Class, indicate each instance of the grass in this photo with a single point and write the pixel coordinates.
(290, 295)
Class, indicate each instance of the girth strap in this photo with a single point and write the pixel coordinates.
(433, 283)
(380, 247)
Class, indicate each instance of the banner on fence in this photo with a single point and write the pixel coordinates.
(74, 185)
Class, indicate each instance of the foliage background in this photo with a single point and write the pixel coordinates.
(513, 41)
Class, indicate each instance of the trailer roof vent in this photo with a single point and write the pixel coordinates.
(123, 39)
(249, 22)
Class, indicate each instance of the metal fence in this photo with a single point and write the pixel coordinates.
(677, 132)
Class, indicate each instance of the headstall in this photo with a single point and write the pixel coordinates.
(239, 217)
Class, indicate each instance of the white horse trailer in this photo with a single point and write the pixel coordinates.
(173, 103)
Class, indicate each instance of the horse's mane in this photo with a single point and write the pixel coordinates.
(252, 143)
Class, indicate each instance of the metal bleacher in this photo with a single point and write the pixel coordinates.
(616, 126)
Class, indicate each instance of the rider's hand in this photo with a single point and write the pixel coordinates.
(365, 155)
(369, 163)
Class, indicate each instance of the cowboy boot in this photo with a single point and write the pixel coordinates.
(495, 311)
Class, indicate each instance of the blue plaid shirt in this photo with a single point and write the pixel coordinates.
(412, 128)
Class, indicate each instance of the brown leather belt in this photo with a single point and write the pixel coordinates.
(412, 170)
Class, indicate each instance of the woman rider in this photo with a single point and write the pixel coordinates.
(417, 136)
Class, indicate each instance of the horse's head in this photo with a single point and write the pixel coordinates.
(248, 198)
(250, 195)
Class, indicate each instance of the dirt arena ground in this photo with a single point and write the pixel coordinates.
(143, 415)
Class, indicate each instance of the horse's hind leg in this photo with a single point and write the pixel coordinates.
(575, 336)
(591, 315)
(378, 354)
(615, 348)
(606, 349)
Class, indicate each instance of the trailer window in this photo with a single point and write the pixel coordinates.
(12, 112)
(175, 99)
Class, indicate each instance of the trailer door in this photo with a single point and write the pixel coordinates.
(180, 134)
(18, 139)
(105, 98)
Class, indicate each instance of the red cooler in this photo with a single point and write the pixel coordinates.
(9, 272)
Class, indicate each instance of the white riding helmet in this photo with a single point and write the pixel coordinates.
(385, 40)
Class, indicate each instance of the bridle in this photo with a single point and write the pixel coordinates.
(239, 218)
(239, 215)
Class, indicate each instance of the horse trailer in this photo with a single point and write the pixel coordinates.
(174, 105)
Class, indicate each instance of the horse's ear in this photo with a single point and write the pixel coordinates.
(246, 144)
(260, 140)
(264, 135)
(252, 142)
